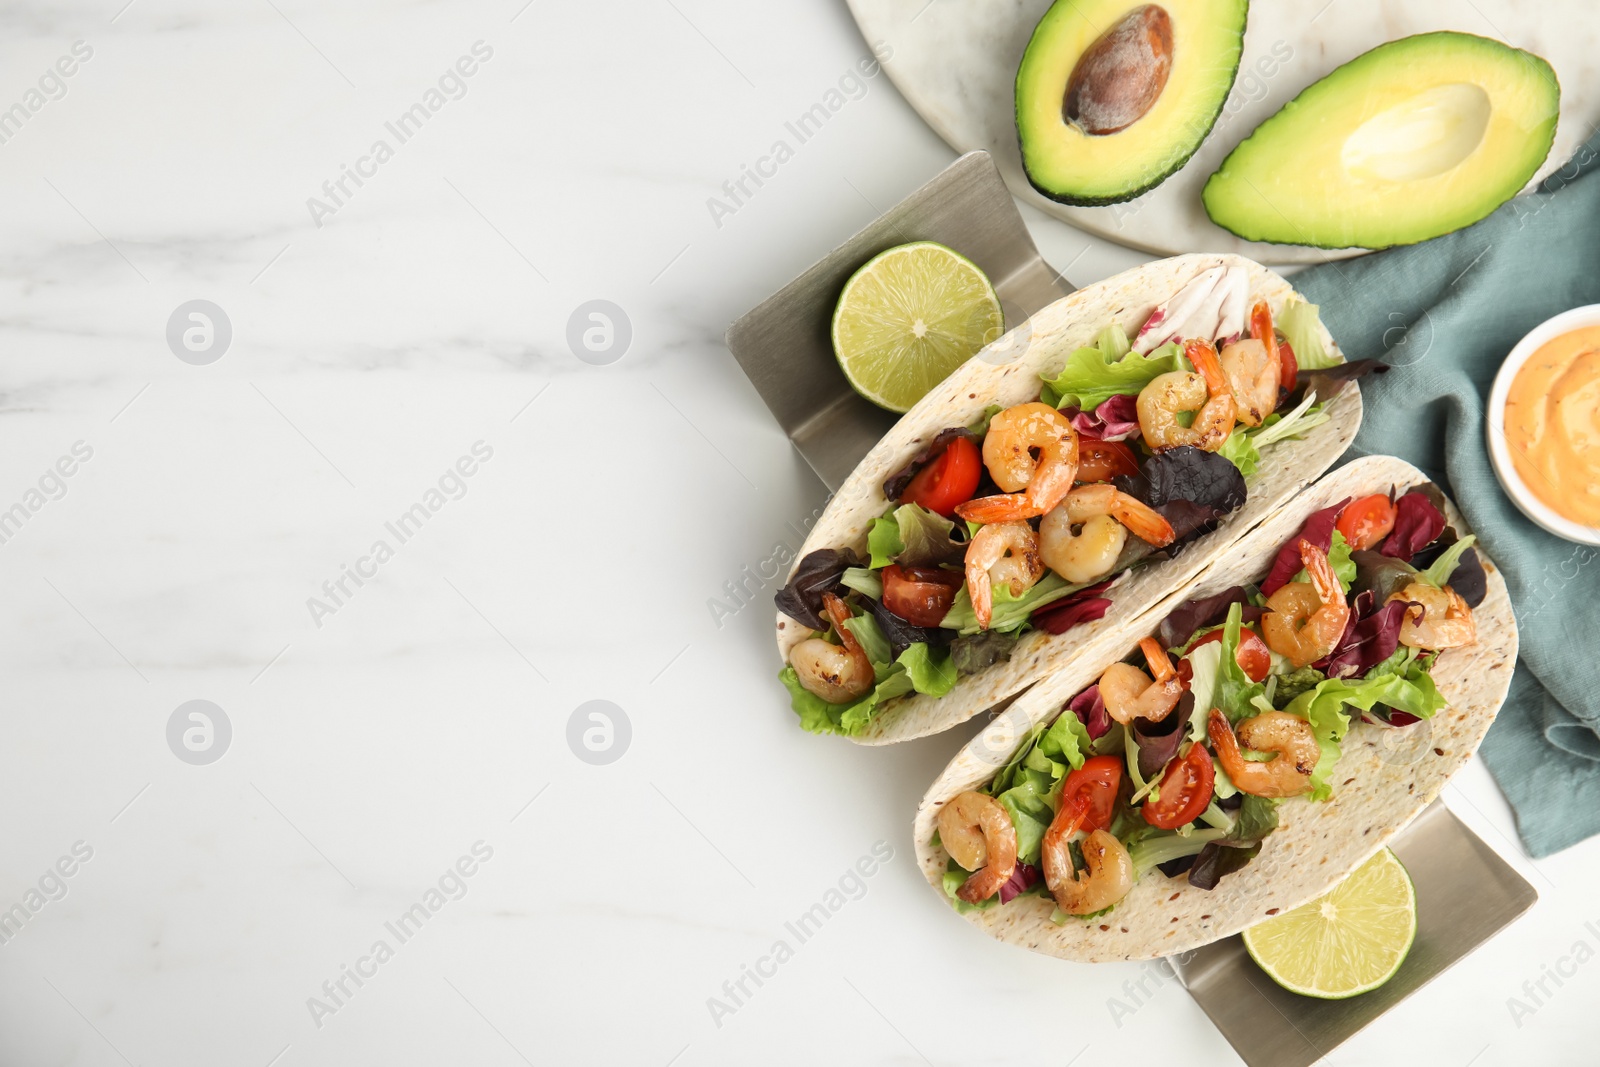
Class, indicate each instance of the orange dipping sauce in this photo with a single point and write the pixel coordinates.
(1553, 424)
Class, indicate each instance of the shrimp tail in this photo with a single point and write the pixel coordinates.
(1261, 328)
(1320, 571)
(1147, 523)
(1156, 657)
(1222, 738)
(1203, 354)
(840, 615)
(1007, 507)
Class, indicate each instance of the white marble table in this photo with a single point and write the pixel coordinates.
(555, 531)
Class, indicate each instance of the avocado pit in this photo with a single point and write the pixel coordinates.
(1121, 76)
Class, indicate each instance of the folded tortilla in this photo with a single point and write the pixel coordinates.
(1385, 776)
(1008, 372)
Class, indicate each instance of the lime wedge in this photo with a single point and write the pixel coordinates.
(908, 318)
(1350, 940)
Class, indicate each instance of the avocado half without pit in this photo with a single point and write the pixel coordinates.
(1414, 139)
(1114, 97)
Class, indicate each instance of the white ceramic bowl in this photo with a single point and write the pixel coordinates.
(1495, 425)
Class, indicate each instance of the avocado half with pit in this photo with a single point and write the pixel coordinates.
(1414, 139)
(1113, 98)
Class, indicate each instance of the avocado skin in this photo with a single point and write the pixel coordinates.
(1212, 193)
(1154, 178)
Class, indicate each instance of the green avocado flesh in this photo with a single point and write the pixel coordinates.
(1416, 138)
(1067, 162)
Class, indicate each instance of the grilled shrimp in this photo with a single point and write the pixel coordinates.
(1108, 870)
(1130, 694)
(1304, 622)
(978, 834)
(839, 674)
(1003, 552)
(1253, 369)
(1204, 391)
(1288, 773)
(1103, 515)
(1443, 619)
(1031, 451)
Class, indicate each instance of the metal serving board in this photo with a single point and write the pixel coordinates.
(1465, 895)
(785, 344)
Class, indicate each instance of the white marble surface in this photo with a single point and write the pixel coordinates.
(429, 711)
(957, 63)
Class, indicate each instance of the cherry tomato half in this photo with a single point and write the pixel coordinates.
(947, 481)
(1092, 789)
(920, 595)
(1185, 790)
(1367, 521)
(1288, 366)
(1101, 461)
(1252, 655)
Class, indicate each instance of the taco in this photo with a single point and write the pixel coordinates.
(1053, 487)
(1309, 695)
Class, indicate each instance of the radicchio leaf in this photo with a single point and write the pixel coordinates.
(1024, 876)
(1159, 741)
(1219, 859)
(1091, 711)
(817, 573)
(1417, 522)
(902, 634)
(1180, 625)
(1195, 475)
(1368, 640)
(896, 483)
(1380, 575)
(1318, 529)
(1086, 605)
(1115, 419)
(1468, 579)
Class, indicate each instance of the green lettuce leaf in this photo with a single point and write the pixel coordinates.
(1008, 613)
(1257, 817)
(1339, 558)
(1297, 422)
(1240, 449)
(1028, 781)
(863, 581)
(1206, 663)
(1235, 693)
(883, 541)
(1096, 373)
(1438, 574)
(1409, 688)
(1302, 327)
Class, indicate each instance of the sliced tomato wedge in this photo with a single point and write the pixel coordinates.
(920, 595)
(1185, 790)
(1288, 366)
(1092, 789)
(1101, 461)
(949, 480)
(1367, 521)
(1253, 656)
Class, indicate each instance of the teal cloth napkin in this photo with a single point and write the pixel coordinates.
(1445, 314)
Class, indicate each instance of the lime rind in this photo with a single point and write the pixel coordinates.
(1349, 941)
(909, 317)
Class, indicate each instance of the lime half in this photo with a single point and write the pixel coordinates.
(908, 318)
(1350, 940)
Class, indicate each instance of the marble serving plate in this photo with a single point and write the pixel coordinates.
(955, 62)
(1465, 891)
